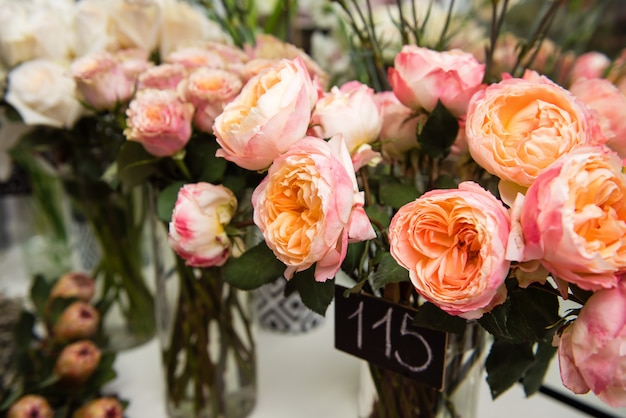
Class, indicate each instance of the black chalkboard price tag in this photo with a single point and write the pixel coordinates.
(382, 333)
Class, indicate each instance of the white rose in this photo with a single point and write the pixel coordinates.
(42, 92)
(94, 28)
(184, 25)
(29, 30)
(137, 23)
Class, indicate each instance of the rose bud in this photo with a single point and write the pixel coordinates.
(30, 406)
(74, 285)
(77, 362)
(100, 408)
(78, 320)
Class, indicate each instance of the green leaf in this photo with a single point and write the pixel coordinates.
(352, 261)
(388, 271)
(39, 292)
(379, 214)
(439, 132)
(397, 195)
(201, 160)
(104, 373)
(315, 295)
(254, 268)
(166, 200)
(134, 164)
(506, 364)
(431, 317)
(445, 181)
(23, 331)
(535, 375)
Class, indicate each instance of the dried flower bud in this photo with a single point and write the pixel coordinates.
(100, 408)
(31, 406)
(77, 361)
(74, 284)
(78, 320)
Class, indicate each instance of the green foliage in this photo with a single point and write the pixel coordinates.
(505, 365)
(439, 132)
(166, 200)
(431, 317)
(397, 195)
(134, 164)
(254, 268)
(388, 271)
(315, 295)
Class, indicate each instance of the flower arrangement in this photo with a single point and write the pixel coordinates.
(477, 179)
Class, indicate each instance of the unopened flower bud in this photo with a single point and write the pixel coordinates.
(74, 284)
(31, 406)
(77, 362)
(100, 408)
(79, 320)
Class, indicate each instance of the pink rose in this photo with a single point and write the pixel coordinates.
(107, 407)
(196, 231)
(195, 57)
(609, 103)
(159, 121)
(74, 285)
(516, 128)
(573, 219)
(349, 110)
(29, 406)
(453, 243)
(77, 362)
(101, 80)
(309, 208)
(79, 320)
(591, 349)
(161, 77)
(271, 113)
(420, 77)
(591, 64)
(209, 89)
(398, 133)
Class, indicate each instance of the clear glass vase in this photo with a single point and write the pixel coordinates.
(207, 338)
(386, 394)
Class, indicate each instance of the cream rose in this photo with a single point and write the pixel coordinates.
(43, 93)
(309, 208)
(516, 128)
(196, 231)
(271, 113)
(453, 243)
(573, 219)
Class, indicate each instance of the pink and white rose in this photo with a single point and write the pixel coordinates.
(398, 133)
(453, 243)
(161, 77)
(573, 219)
(591, 64)
(591, 354)
(309, 208)
(271, 113)
(196, 231)
(421, 77)
(159, 121)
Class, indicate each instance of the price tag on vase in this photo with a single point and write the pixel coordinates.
(382, 333)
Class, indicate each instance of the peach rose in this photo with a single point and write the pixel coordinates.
(516, 128)
(101, 80)
(74, 285)
(609, 103)
(349, 110)
(161, 77)
(77, 362)
(78, 320)
(421, 77)
(591, 354)
(573, 219)
(271, 113)
(453, 243)
(196, 231)
(159, 121)
(308, 207)
(106, 407)
(209, 89)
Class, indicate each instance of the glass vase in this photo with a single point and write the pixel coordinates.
(207, 339)
(386, 394)
(112, 234)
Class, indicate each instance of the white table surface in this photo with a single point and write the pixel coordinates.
(299, 375)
